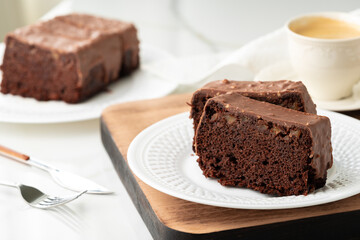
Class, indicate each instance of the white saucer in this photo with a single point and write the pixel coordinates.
(284, 70)
(162, 157)
(140, 85)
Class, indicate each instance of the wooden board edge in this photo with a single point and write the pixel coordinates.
(157, 229)
(334, 226)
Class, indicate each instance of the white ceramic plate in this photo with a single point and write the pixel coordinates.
(284, 70)
(140, 85)
(162, 157)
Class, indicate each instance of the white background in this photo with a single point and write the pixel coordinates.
(183, 28)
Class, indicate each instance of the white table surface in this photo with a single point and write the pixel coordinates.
(183, 28)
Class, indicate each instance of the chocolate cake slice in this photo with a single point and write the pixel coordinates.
(126, 32)
(262, 146)
(293, 95)
(58, 60)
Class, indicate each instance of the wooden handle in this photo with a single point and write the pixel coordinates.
(11, 153)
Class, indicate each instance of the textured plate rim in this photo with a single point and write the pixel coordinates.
(134, 151)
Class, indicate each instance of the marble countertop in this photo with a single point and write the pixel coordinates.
(183, 28)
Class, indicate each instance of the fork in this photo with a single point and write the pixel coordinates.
(35, 198)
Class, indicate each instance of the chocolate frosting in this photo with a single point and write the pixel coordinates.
(104, 25)
(267, 88)
(95, 23)
(125, 31)
(90, 46)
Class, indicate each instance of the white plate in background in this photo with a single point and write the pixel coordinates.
(141, 84)
(162, 157)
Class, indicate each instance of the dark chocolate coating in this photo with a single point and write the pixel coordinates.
(271, 149)
(289, 94)
(126, 32)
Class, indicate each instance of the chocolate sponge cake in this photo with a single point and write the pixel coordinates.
(293, 95)
(262, 146)
(68, 58)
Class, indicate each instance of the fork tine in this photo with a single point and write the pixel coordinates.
(46, 201)
(52, 201)
(48, 204)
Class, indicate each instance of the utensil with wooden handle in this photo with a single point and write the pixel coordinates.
(65, 179)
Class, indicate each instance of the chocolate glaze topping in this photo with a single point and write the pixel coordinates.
(285, 93)
(125, 31)
(268, 88)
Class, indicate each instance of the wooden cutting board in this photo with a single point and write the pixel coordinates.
(168, 217)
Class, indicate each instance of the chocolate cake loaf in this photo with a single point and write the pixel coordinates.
(262, 146)
(293, 95)
(68, 58)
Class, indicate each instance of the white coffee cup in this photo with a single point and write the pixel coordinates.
(328, 67)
